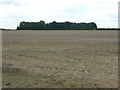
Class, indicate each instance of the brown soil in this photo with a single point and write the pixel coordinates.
(60, 59)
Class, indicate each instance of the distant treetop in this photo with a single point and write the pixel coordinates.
(56, 26)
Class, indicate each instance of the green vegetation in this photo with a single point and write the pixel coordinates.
(23, 74)
(56, 26)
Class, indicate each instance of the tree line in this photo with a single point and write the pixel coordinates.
(56, 26)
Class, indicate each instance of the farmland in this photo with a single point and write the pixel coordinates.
(60, 59)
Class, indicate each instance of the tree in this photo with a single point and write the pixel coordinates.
(56, 26)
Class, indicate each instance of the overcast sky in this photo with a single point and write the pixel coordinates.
(103, 12)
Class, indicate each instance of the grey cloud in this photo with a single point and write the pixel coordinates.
(10, 2)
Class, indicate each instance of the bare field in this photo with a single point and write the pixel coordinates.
(60, 59)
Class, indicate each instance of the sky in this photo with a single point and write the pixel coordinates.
(103, 12)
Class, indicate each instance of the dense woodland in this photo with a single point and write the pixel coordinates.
(56, 26)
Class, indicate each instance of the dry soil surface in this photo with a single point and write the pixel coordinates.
(60, 59)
